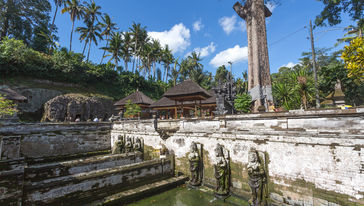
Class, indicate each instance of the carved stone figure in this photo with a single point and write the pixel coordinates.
(138, 145)
(128, 145)
(222, 172)
(257, 178)
(118, 146)
(194, 158)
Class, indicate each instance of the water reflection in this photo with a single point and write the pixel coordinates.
(182, 196)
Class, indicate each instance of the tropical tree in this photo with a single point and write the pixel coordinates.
(126, 49)
(57, 3)
(115, 48)
(76, 11)
(175, 72)
(139, 38)
(333, 11)
(23, 20)
(156, 54)
(107, 28)
(221, 74)
(167, 59)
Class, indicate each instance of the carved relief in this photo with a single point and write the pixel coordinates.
(222, 172)
(195, 160)
(257, 172)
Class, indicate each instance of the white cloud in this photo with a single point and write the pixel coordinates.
(177, 38)
(197, 25)
(271, 6)
(205, 51)
(235, 55)
(229, 24)
(289, 65)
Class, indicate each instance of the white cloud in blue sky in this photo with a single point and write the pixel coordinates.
(229, 24)
(289, 65)
(197, 25)
(178, 38)
(205, 51)
(235, 55)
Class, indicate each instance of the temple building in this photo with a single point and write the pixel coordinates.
(186, 99)
(142, 100)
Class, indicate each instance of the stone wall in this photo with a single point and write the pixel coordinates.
(315, 157)
(37, 141)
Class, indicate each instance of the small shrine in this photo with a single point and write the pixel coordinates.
(139, 98)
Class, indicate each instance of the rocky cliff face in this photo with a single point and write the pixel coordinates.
(72, 106)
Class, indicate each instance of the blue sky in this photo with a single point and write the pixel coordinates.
(213, 28)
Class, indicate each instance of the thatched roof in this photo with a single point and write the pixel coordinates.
(12, 95)
(136, 98)
(187, 90)
(166, 102)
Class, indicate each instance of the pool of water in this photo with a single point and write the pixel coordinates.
(182, 196)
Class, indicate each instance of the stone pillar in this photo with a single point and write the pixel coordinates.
(254, 13)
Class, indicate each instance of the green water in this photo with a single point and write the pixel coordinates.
(183, 196)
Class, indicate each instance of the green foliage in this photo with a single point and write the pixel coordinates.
(24, 20)
(7, 107)
(221, 74)
(16, 59)
(353, 57)
(334, 9)
(243, 102)
(132, 110)
(293, 87)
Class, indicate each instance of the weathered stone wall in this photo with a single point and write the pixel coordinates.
(52, 140)
(315, 157)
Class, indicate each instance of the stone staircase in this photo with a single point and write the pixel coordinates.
(85, 180)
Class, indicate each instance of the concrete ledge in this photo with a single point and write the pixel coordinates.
(51, 170)
(141, 192)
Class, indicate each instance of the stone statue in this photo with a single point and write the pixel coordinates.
(194, 158)
(118, 146)
(257, 178)
(128, 145)
(138, 145)
(222, 172)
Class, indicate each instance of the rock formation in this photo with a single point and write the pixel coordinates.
(71, 106)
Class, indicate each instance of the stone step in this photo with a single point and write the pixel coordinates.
(93, 185)
(127, 196)
(38, 172)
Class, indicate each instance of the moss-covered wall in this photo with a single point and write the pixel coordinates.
(314, 157)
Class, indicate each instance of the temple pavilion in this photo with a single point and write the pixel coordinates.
(142, 100)
(186, 99)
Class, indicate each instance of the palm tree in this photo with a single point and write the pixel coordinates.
(156, 54)
(76, 10)
(139, 38)
(108, 26)
(58, 3)
(83, 36)
(175, 72)
(115, 48)
(167, 59)
(126, 49)
(194, 60)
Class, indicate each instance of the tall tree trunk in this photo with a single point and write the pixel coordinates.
(52, 28)
(84, 48)
(126, 65)
(73, 25)
(89, 49)
(107, 44)
(133, 64)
